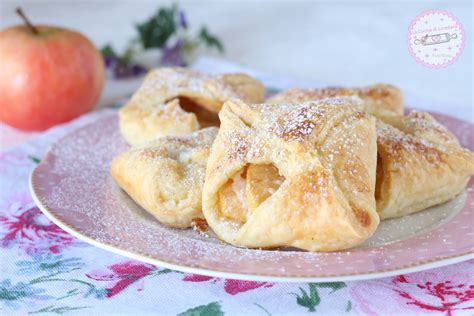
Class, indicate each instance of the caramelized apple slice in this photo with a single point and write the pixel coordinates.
(204, 116)
(232, 201)
(242, 194)
(262, 182)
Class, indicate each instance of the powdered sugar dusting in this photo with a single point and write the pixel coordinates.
(423, 125)
(294, 122)
(173, 82)
(376, 93)
(73, 183)
(421, 134)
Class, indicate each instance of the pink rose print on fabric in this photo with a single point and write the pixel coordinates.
(122, 275)
(231, 286)
(30, 230)
(423, 292)
(451, 294)
(197, 278)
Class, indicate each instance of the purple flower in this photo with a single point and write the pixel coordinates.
(182, 19)
(138, 70)
(124, 70)
(171, 56)
(110, 61)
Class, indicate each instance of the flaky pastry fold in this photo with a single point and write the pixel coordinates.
(298, 175)
(384, 101)
(166, 176)
(419, 165)
(179, 101)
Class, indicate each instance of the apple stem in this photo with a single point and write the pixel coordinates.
(33, 29)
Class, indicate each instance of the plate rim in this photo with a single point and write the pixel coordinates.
(417, 266)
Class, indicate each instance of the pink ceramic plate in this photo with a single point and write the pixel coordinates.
(73, 188)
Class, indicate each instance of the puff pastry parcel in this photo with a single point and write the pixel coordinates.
(384, 101)
(178, 101)
(419, 165)
(300, 175)
(165, 176)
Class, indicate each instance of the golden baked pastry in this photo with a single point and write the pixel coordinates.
(420, 163)
(299, 175)
(384, 101)
(165, 176)
(178, 101)
(418, 166)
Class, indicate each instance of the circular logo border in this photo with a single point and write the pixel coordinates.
(424, 63)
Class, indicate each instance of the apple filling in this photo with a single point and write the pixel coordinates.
(204, 116)
(244, 192)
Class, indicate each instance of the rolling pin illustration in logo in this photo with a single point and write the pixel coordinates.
(435, 39)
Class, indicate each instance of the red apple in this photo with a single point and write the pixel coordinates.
(49, 75)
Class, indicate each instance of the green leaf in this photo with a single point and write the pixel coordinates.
(332, 285)
(211, 309)
(16, 292)
(310, 300)
(69, 294)
(108, 51)
(58, 310)
(349, 306)
(158, 29)
(210, 40)
(159, 272)
(34, 159)
(263, 309)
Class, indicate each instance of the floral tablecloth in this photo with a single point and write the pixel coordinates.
(45, 270)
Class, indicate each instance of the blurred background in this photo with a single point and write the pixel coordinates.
(349, 43)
